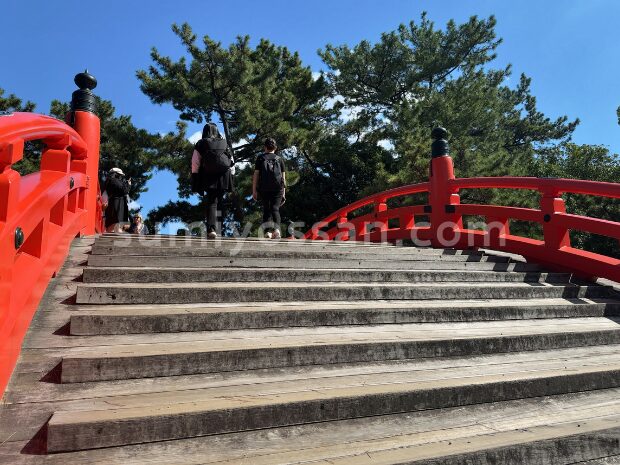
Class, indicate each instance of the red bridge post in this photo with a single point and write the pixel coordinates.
(445, 222)
(83, 119)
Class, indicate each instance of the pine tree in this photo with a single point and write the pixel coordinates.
(12, 103)
(32, 150)
(123, 145)
(419, 77)
(253, 92)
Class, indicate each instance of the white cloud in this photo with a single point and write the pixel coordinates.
(134, 205)
(330, 102)
(386, 144)
(316, 75)
(241, 142)
(346, 114)
(195, 137)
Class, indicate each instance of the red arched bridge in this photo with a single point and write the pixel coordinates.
(445, 228)
(41, 213)
(147, 304)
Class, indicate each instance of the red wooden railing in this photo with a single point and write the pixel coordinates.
(445, 214)
(41, 213)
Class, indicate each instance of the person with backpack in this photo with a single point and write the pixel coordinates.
(269, 183)
(212, 172)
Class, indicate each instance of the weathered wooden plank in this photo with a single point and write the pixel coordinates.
(293, 253)
(172, 319)
(323, 335)
(103, 428)
(245, 338)
(25, 389)
(135, 246)
(235, 395)
(149, 293)
(333, 438)
(304, 275)
(457, 263)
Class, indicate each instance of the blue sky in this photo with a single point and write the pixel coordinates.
(571, 49)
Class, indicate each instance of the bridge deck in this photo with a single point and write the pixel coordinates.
(245, 381)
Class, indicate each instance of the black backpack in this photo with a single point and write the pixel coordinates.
(270, 175)
(214, 154)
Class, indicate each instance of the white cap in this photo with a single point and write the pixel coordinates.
(117, 170)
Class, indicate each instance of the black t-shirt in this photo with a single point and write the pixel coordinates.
(259, 162)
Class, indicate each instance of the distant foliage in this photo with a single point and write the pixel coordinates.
(123, 145)
(12, 103)
(419, 77)
(32, 150)
(594, 163)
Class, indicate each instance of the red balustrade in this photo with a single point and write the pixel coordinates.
(444, 213)
(41, 213)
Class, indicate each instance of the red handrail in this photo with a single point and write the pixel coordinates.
(378, 201)
(553, 186)
(445, 214)
(41, 213)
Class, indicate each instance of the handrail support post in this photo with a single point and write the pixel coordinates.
(555, 236)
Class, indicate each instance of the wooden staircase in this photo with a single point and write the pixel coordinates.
(163, 350)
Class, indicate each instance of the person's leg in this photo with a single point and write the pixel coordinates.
(266, 197)
(220, 212)
(275, 212)
(211, 210)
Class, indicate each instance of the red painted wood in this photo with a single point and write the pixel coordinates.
(48, 211)
(446, 219)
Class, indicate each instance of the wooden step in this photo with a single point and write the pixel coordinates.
(94, 320)
(301, 275)
(38, 394)
(163, 293)
(308, 397)
(376, 263)
(171, 354)
(117, 246)
(313, 252)
(163, 239)
(553, 430)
